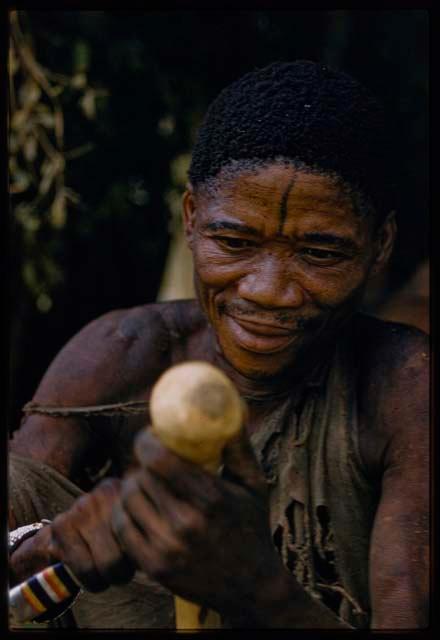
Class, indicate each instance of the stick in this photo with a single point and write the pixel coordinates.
(195, 410)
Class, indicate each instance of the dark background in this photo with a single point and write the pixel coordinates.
(162, 67)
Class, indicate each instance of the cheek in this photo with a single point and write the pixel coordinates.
(332, 286)
(214, 270)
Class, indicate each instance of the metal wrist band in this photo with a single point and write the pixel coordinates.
(19, 535)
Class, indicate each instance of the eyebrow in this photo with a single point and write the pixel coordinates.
(220, 225)
(341, 242)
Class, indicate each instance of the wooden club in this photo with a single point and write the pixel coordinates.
(195, 410)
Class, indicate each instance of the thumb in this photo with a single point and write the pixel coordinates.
(241, 465)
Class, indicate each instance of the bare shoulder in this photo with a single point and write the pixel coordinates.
(393, 386)
(390, 349)
(116, 356)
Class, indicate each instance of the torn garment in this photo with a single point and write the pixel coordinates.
(322, 505)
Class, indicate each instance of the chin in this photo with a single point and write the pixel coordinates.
(259, 366)
(262, 375)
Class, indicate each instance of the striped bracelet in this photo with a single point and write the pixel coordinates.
(46, 595)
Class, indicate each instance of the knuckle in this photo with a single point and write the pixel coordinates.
(146, 446)
(58, 527)
(103, 497)
(84, 505)
(118, 522)
(129, 487)
(108, 488)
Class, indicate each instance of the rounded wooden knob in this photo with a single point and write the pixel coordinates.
(195, 410)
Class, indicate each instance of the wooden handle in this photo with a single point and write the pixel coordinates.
(195, 410)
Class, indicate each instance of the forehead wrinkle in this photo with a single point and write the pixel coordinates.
(258, 196)
(326, 196)
(233, 196)
(237, 206)
(255, 194)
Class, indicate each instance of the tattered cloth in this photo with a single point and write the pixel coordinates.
(322, 505)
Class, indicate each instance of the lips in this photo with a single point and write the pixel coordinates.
(259, 337)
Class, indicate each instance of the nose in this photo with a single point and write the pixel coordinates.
(272, 285)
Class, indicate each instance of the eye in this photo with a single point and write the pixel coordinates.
(323, 256)
(235, 243)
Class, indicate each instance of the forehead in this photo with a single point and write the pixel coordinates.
(280, 195)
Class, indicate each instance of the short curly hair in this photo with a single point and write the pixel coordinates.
(305, 113)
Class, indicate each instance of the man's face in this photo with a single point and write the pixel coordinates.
(281, 261)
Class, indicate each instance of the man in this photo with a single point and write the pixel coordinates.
(320, 517)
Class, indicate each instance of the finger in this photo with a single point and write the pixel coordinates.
(108, 558)
(139, 502)
(68, 546)
(159, 565)
(133, 541)
(241, 465)
(82, 539)
(173, 521)
(186, 480)
(97, 533)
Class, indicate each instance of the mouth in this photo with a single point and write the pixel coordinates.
(259, 337)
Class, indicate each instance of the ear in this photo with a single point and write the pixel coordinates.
(189, 214)
(384, 243)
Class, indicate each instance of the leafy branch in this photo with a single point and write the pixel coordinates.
(37, 156)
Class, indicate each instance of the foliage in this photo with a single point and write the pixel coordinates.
(40, 198)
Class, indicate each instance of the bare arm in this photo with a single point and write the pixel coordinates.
(112, 359)
(399, 557)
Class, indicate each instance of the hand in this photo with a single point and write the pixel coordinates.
(204, 537)
(30, 556)
(82, 539)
